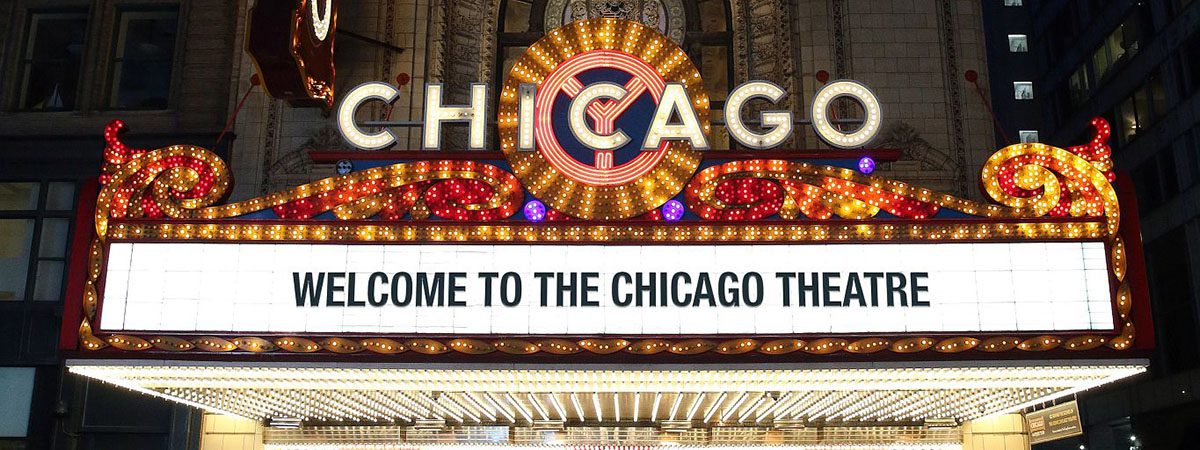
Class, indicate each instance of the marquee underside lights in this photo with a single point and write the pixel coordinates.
(834, 437)
(603, 395)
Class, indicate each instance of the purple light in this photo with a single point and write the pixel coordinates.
(672, 210)
(535, 211)
(866, 165)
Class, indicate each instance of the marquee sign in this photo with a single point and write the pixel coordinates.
(607, 228)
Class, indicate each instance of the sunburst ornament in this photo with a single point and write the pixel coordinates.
(556, 164)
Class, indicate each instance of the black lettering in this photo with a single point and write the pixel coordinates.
(757, 299)
(487, 286)
(334, 287)
(643, 287)
(586, 280)
(515, 280)
(727, 296)
(616, 289)
(874, 277)
(895, 286)
(704, 290)
(455, 288)
(787, 287)
(544, 278)
(431, 290)
(829, 280)
(376, 278)
(350, 293)
(854, 290)
(918, 288)
(308, 293)
(687, 297)
(803, 287)
(408, 289)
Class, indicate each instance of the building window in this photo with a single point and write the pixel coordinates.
(16, 394)
(1028, 136)
(51, 61)
(1079, 86)
(1018, 43)
(144, 59)
(1023, 90)
(1120, 45)
(1141, 110)
(1013, 2)
(35, 219)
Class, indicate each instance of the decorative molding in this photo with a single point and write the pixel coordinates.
(842, 52)
(953, 81)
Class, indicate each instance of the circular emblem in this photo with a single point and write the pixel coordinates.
(570, 176)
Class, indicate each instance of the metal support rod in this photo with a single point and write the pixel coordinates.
(369, 40)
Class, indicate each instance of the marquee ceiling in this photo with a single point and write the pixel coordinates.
(676, 396)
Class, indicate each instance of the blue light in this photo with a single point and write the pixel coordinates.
(672, 210)
(535, 211)
(866, 165)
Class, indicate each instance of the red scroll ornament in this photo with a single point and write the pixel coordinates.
(183, 181)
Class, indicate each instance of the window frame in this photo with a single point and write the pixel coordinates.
(25, 60)
(1016, 91)
(1013, 38)
(116, 48)
(39, 216)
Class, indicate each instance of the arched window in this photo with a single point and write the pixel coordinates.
(702, 27)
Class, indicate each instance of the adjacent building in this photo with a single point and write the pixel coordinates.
(1057, 64)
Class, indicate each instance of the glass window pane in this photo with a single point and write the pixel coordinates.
(144, 61)
(18, 196)
(1018, 43)
(16, 235)
(1129, 122)
(1100, 61)
(1141, 105)
(60, 197)
(52, 58)
(48, 286)
(16, 394)
(53, 242)
(1023, 90)
(1158, 98)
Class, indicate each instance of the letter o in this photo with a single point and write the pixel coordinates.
(871, 110)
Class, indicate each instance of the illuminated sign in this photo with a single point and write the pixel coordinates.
(599, 81)
(606, 228)
(605, 118)
(1054, 423)
(614, 289)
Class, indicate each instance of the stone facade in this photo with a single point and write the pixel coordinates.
(911, 53)
(197, 103)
